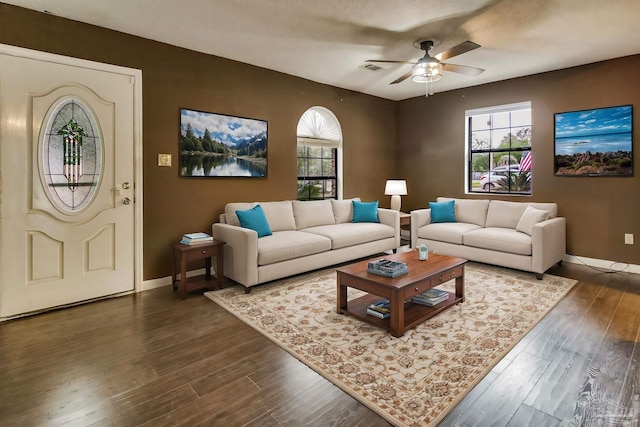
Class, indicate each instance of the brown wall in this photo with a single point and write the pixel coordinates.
(599, 210)
(429, 133)
(175, 78)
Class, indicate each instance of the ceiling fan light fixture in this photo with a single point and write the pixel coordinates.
(426, 72)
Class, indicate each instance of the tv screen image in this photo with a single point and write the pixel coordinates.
(596, 142)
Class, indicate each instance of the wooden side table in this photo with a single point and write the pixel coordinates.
(183, 254)
(405, 219)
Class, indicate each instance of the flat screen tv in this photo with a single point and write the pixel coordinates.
(597, 142)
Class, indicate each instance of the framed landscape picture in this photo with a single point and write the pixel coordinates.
(217, 145)
(596, 142)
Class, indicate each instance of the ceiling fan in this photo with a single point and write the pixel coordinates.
(428, 68)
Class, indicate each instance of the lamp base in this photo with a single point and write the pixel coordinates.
(395, 202)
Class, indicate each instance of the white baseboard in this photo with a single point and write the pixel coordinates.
(166, 281)
(592, 262)
(603, 264)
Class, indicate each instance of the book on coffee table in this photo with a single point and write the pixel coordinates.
(431, 297)
(387, 268)
(380, 309)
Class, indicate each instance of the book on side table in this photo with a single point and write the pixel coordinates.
(196, 238)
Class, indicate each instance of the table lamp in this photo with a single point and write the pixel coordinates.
(395, 188)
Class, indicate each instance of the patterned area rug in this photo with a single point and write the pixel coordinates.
(414, 380)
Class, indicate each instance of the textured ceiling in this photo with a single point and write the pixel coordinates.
(327, 41)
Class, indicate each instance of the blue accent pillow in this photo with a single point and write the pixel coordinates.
(255, 219)
(442, 212)
(365, 211)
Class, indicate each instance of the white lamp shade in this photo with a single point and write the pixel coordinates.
(395, 187)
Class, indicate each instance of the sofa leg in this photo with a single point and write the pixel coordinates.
(247, 289)
(538, 276)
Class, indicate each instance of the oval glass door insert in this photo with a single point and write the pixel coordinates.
(71, 161)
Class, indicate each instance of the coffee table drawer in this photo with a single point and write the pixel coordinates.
(417, 288)
(438, 279)
(445, 276)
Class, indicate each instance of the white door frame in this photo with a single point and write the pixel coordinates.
(136, 79)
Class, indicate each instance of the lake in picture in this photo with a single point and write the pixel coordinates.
(220, 145)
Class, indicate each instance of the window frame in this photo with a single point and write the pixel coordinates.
(322, 177)
(318, 127)
(522, 178)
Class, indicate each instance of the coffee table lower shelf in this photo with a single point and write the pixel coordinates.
(413, 313)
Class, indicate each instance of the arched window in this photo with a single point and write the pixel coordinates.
(319, 155)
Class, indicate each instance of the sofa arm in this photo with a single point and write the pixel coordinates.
(240, 252)
(548, 243)
(392, 219)
(419, 218)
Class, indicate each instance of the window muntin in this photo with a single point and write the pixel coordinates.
(498, 144)
(317, 172)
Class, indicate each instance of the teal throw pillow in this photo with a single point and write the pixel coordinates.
(365, 211)
(442, 212)
(254, 219)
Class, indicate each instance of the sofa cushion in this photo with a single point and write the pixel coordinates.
(231, 208)
(529, 218)
(254, 219)
(504, 214)
(312, 213)
(442, 211)
(365, 211)
(285, 245)
(343, 210)
(499, 239)
(279, 215)
(450, 232)
(350, 234)
(471, 211)
(552, 208)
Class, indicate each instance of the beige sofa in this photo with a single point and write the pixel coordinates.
(306, 236)
(496, 232)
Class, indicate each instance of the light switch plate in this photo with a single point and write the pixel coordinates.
(164, 159)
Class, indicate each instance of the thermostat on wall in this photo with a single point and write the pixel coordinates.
(164, 159)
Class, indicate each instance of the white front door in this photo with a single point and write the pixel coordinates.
(67, 217)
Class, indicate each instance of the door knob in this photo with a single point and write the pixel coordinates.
(126, 200)
(125, 185)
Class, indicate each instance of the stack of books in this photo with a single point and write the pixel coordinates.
(196, 238)
(388, 268)
(431, 297)
(380, 309)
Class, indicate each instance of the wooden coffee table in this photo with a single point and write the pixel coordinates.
(405, 315)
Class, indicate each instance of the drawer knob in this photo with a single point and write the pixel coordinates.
(204, 252)
(453, 274)
(440, 278)
(416, 289)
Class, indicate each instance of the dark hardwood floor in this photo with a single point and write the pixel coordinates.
(152, 359)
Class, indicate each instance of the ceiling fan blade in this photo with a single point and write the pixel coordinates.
(389, 61)
(402, 78)
(459, 49)
(463, 69)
